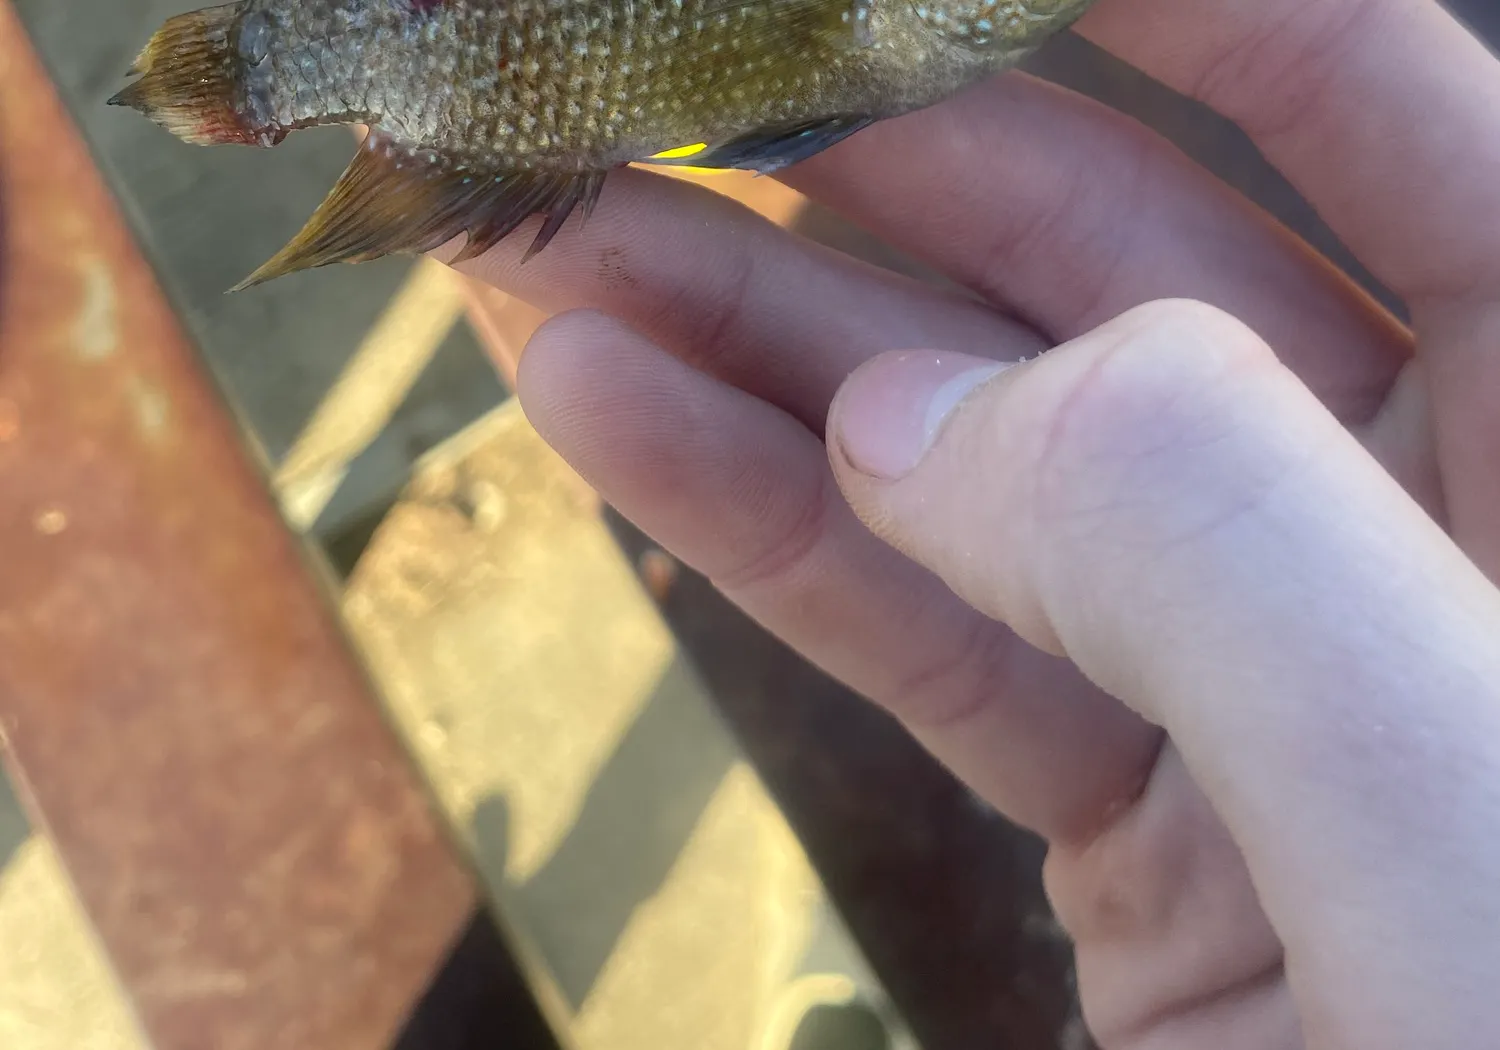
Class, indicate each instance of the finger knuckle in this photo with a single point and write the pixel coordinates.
(1271, 76)
(1162, 386)
(1076, 218)
(788, 547)
(949, 685)
(713, 305)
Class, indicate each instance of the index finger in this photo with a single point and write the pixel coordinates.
(1385, 114)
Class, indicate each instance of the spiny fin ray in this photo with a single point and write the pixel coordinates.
(392, 200)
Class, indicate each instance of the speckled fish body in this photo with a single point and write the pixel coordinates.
(486, 112)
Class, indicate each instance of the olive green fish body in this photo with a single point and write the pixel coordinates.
(485, 112)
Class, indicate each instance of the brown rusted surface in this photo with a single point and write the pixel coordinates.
(248, 838)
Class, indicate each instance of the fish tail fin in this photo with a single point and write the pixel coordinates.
(190, 81)
(397, 199)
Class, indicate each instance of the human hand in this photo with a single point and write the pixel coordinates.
(1167, 515)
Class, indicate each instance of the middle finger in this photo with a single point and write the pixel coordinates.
(740, 298)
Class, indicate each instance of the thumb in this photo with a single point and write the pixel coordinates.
(1033, 488)
(1164, 504)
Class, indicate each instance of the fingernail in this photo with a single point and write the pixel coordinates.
(892, 410)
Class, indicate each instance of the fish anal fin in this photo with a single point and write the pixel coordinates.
(393, 199)
(774, 148)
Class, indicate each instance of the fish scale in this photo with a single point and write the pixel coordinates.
(484, 113)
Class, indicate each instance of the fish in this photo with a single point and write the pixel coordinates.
(483, 114)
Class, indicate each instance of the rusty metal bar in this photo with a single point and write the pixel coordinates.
(248, 837)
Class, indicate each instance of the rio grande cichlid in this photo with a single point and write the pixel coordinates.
(483, 113)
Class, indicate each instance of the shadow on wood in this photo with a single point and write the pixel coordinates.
(943, 896)
(479, 999)
(636, 818)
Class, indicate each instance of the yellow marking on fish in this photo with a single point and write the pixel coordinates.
(679, 151)
(679, 170)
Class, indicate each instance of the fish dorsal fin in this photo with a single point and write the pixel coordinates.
(769, 150)
(396, 199)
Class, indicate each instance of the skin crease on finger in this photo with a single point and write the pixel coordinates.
(1161, 908)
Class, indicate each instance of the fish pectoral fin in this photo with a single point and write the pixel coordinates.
(395, 199)
(775, 148)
